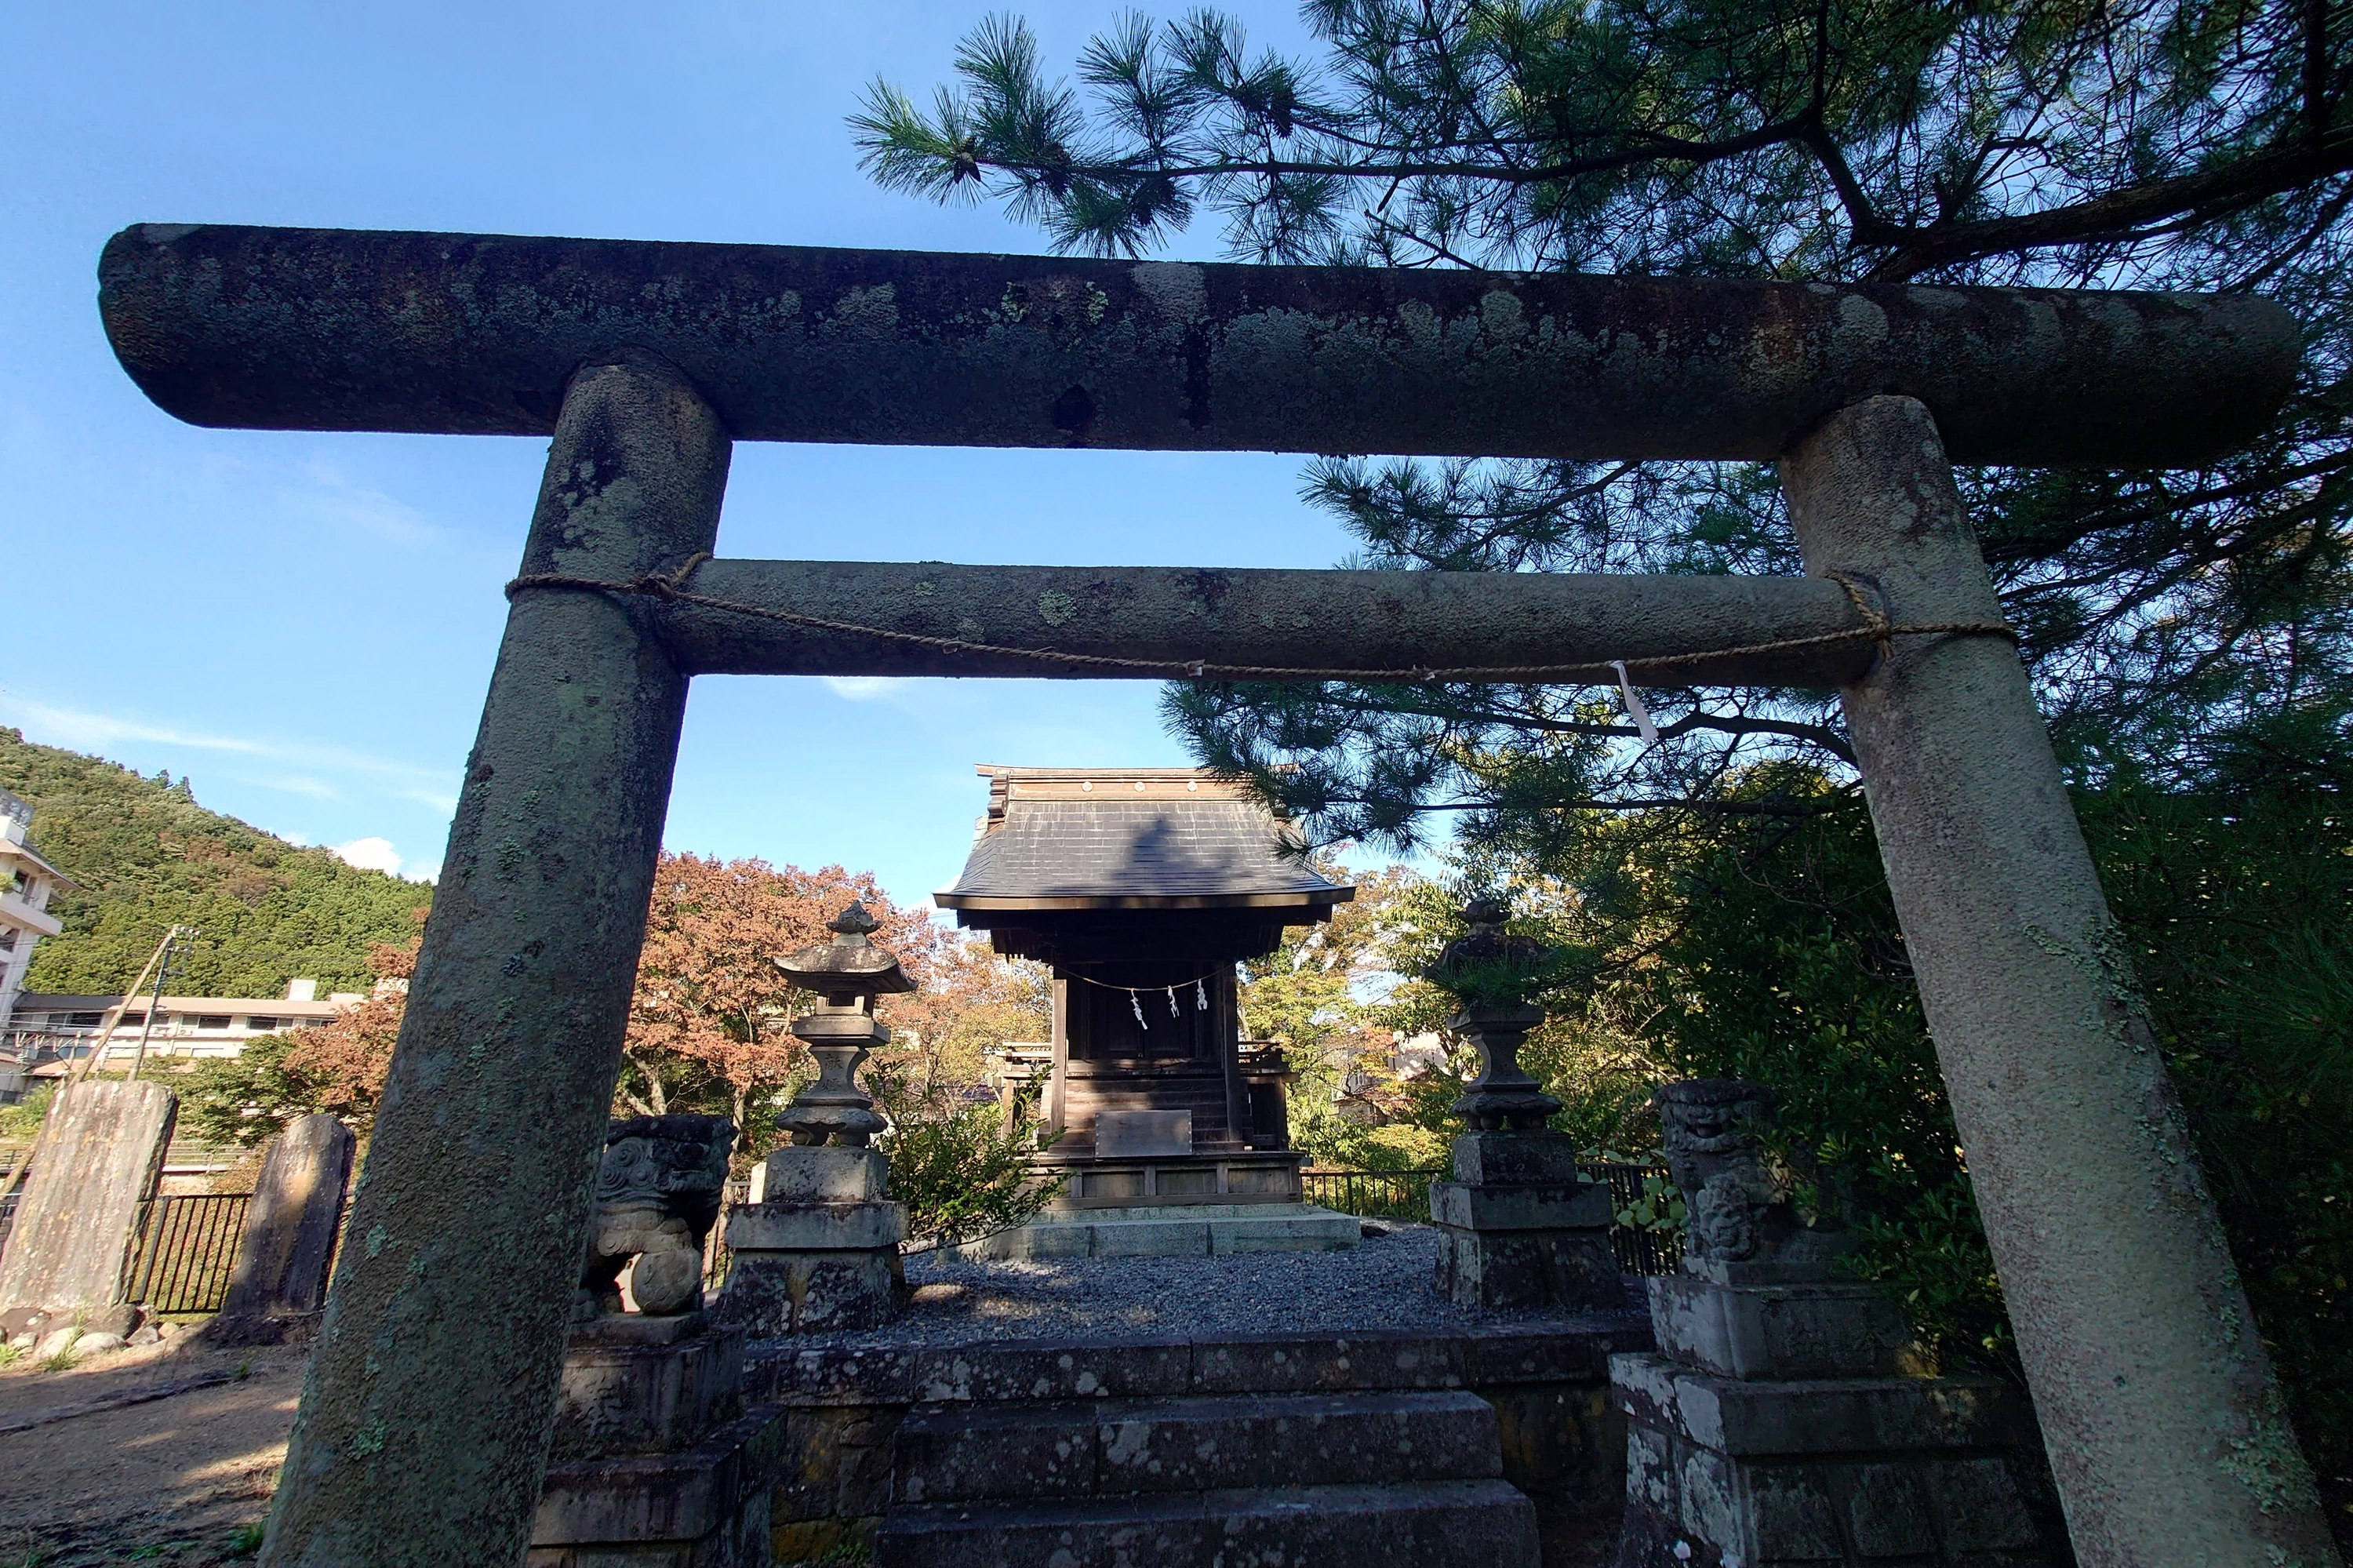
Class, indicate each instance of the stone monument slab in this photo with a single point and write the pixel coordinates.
(94, 1167)
(288, 1242)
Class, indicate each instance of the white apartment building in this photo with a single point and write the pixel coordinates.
(50, 1028)
(25, 882)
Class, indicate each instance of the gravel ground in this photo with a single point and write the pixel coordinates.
(1383, 1283)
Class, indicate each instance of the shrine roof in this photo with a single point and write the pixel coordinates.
(1130, 838)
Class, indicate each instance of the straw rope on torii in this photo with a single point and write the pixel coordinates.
(672, 587)
(425, 1422)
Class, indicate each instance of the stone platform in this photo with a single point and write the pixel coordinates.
(1171, 1230)
(657, 1461)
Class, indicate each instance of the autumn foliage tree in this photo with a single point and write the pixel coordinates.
(969, 1003)
(709, 1025)
(338, 1066)
(710, 1019)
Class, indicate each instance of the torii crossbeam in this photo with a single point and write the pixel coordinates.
(425, 1422)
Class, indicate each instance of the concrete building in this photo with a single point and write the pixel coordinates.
(49, 1029)
(26, 883)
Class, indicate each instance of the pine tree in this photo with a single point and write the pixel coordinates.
(2146, 144)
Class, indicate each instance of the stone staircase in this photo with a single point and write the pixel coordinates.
(1352, 1480)
(1354, 1450)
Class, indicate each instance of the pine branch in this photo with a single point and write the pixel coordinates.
(2118, 216)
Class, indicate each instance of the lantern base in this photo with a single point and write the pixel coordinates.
(1521, 1226)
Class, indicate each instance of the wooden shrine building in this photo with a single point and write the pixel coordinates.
(1142, 888)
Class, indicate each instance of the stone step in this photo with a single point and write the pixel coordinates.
(1460, 1523)
(989, 1372)
(1110, 1446)
(1172, 1230)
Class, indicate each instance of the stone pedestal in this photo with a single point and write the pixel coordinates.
(820, 1251)
(280, 1277)
(1780, 1422)
(1723, 1472)
(1785, 1329)
(1521, 1227)
(656, 1463)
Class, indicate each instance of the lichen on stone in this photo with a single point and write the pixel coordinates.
(2268, 1463)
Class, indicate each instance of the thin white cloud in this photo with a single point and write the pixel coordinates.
(86, 731)
(867, 688)
(332, 499)
(370, 854)
(301, 784)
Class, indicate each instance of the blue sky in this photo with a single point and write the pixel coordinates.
(304, 624)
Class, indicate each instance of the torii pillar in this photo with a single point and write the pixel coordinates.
(2157, 1405)
(423, 1436)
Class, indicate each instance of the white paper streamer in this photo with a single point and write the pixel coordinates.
(1137, 1007)
(1634, 709)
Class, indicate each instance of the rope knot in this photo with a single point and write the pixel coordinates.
(1876, 619)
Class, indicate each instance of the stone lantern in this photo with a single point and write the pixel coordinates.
(1521, 1225)
(820, 1250)
(1487, 967)
(847, 973)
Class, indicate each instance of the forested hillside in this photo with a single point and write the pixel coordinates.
(147, 857)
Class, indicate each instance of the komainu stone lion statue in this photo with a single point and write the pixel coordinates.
(657, 1193)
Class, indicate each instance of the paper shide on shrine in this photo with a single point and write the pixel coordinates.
(1142, 888)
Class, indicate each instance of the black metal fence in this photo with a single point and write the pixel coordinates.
(1639, 1248)
(1405, 1196)
(1375, 1195)
(187, 1248)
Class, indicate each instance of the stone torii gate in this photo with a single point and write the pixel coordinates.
(425, 1422)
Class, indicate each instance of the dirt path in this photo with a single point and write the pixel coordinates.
(168, 1481)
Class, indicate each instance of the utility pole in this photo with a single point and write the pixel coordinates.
(175, 961)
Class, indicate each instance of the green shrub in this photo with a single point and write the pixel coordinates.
(958, 1173)
(1770, 950)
